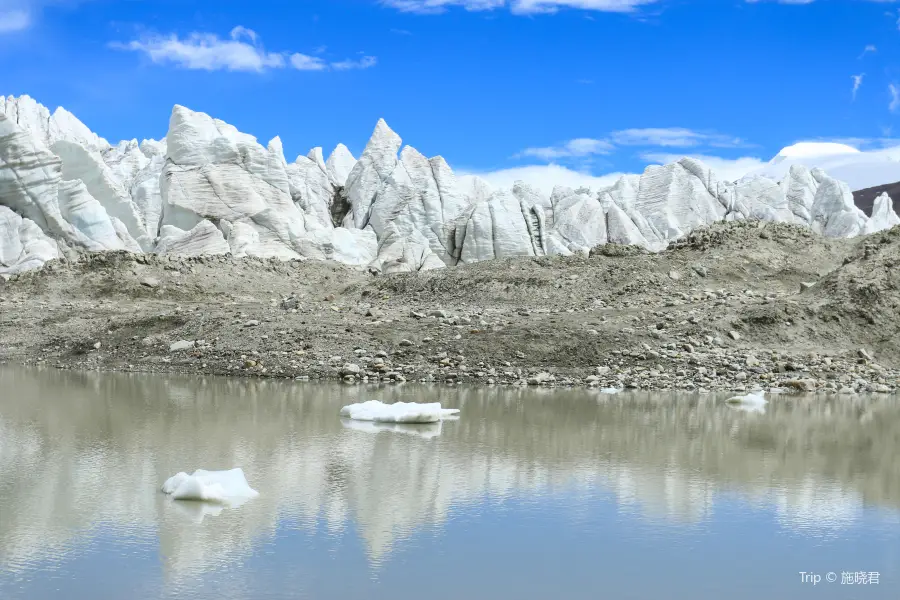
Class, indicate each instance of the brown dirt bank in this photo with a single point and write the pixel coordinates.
(731, 306)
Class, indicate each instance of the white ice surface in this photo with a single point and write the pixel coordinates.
(399, 412)
(220, 487)
(752, 402)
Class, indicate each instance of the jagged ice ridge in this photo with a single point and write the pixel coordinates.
(210, 189)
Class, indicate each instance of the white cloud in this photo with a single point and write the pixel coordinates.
(14, 20)
(305, 62)
(674, 137)
(241, 51)
(577, 148)
(516, 6)
(895, 97)
(868, 49)
(366, 62)
(857, 82)
(727, 169)
(544, 177)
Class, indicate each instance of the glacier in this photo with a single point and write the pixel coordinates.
(208, 188)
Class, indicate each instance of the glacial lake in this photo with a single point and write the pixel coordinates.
(531, 494)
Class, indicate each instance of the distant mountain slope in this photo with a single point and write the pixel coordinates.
(864, 199)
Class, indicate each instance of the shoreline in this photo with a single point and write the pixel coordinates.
(733, 307)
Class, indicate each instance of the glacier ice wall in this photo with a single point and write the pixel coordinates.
(208, 188)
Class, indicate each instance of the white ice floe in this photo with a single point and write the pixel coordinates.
(753, 402)
(422, 430)
(221, 487)
(399, 412)
(610, 390)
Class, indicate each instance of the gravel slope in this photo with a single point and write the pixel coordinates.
(733, 306)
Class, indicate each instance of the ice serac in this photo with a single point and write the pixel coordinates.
(49, 128)
(501, 226)
(203, 238)
(211, 189)
(883, 215)
(23, 245)
(31, 185)
(369, 174)
(339, 165)
(311, 189)
(214, 172)
(145, 190)
(833, 212)
(578, 219)
(79, 163)
(676, 198)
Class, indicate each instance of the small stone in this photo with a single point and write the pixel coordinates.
(406, 343)
(864, 354)
(251, 323)
(97, 345)
(802, 385)
(700, 270)
(351, 370)
(539, 379)
(674, 275)
(734, 335)
(805, 285)
(440, 314)
(150, 282)
(181, 345)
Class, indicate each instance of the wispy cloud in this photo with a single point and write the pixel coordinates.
(366, 62)
(241, 51)
(674, 137)
(516, 6)
(401, 32)
(895, 97)
(14, 20)
(544, 177)
(577, 148)
(857, 82)
(870, 49)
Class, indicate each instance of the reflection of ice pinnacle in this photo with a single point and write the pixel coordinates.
(422, 430)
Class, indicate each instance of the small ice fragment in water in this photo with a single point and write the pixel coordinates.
(753, 402)
(221, 487)
(610, 390)
(399, 412)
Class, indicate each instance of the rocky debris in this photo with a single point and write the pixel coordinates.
(607, 322)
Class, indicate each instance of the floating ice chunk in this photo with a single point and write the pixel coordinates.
(753, 402)
(610, 390)
(399, 412)
(422, 430)
(221, 487)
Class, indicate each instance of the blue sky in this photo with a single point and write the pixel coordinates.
(591, 86)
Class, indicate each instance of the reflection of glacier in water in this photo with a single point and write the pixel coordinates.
(82, 453)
